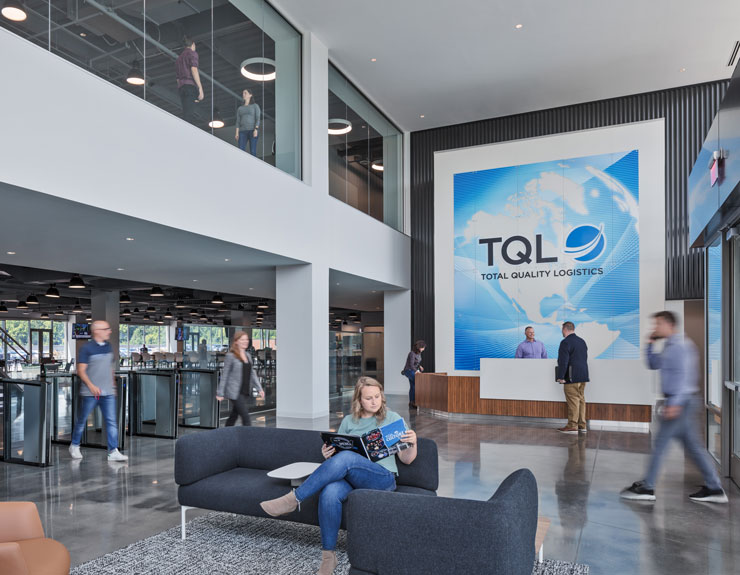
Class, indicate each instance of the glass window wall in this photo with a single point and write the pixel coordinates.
(714, 348)
(132, 338)
(246, 86)
(34, 336)
(365, 154)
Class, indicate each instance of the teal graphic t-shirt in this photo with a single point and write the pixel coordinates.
(351, 426)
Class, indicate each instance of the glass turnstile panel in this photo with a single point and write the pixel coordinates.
(199, 407)
(62, 408)
(156, 399)
(25, 423)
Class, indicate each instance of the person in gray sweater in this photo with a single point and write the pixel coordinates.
(248, 123)
(239, 381)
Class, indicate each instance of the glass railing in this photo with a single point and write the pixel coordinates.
(229, 67)
(365, 154)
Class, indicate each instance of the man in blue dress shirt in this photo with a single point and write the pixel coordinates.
(530, 348)
(679, 378)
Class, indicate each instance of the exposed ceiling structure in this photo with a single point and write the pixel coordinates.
(105, 37)
(465, 61)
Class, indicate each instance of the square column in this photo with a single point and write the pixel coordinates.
(396, 339)
(302, 301)
(106, 307)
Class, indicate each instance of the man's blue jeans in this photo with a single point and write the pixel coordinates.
(682, 428)
(107, 404)
(334, 480)
(411, 375)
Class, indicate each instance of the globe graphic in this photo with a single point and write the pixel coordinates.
(585, 243)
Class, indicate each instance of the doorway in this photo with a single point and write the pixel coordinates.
(42, 343)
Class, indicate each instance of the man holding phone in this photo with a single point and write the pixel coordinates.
(678, 365)
(97, 388)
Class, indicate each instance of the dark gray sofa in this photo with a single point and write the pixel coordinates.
(226, 469)
(430, 535)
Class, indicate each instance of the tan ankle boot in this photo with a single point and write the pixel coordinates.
(328, 563)
(281, 505)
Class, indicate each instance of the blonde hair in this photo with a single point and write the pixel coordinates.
(235, 348)
(362, 383)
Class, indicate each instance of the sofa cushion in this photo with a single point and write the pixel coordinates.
(414, 490)
(45, 556)
(269, 448)
(424, 471)
(241, 490)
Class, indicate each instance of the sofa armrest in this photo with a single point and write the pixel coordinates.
(423, 534)
(201, 455)
(19, 520)
(11, 559)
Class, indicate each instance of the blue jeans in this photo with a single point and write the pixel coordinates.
(333, 481)
(411, 375)
(107, 404)
(247, 138)
(684, 429)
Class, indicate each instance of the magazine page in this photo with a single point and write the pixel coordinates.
(385, 441)
(344, 442)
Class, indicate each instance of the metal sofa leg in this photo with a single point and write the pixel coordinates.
(183, 511)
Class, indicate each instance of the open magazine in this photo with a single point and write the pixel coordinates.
(376, 444)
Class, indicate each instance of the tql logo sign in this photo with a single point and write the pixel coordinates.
(584, 243)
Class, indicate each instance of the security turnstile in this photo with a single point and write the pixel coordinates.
(25, 406)
(198, 403)
(154, 403)
(66, 404)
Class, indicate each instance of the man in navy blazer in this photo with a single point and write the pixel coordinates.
(573, 374)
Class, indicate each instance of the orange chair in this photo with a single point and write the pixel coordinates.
(23, 548)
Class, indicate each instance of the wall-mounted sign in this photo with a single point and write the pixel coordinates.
(540, 244)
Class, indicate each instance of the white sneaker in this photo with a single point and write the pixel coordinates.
(116, 455)
(74, 451)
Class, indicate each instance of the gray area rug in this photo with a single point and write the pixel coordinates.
(227, 544)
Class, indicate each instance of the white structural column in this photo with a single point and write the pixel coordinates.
(105, 306)
(302, 300)
(396, 339)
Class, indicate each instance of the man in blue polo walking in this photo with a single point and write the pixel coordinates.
(97, 388)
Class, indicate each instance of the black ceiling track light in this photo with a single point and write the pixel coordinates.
(3, 308)
(32, 300)
(77, 307)
(52, 292)
(156, 292)
(135, 76)
(22, 304)
(217, 299)
(44, 315)
(76, 282)
(151, 309)
(125, 298)
(126, 312)
(168, 314)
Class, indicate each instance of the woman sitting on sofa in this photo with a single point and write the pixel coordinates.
(346, 471)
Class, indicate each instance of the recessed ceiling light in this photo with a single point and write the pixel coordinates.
(421, 115)
(227, 259)
(373, 59)
(195, 280)
(120, 269)
(83, 34)
(10, 253)
(683, 70)
(519, 26)
(129, 239)
(337, 283)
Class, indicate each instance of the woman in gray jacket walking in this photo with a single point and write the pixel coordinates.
(239, 380)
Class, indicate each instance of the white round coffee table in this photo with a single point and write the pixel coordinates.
(296, 472)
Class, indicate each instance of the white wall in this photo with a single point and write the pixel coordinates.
(647, 137)
(94, 143)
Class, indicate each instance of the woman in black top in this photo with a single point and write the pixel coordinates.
(239, 381)
(413, 364)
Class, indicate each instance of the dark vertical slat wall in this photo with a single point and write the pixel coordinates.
(688, 114)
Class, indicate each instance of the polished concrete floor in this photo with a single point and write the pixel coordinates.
(94, 507)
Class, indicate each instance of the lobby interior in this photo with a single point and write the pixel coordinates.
(347, 236)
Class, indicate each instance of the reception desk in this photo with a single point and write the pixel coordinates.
(526, 388)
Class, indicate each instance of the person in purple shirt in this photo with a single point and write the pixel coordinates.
(188, 80)
(530, 348)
